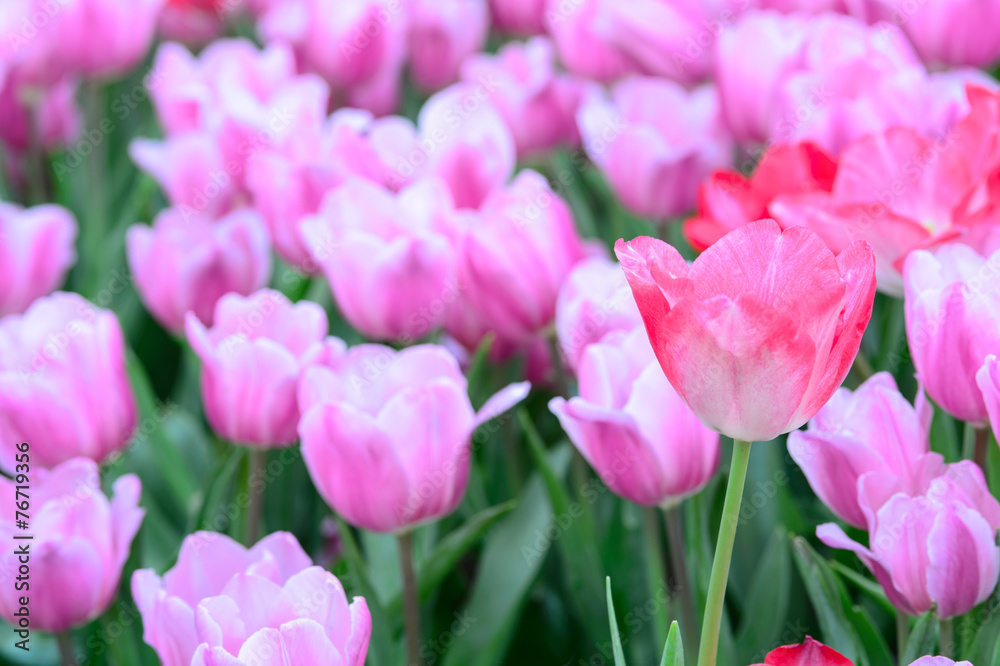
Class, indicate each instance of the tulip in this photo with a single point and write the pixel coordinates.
(538, 105)
(521, 17)
(988, 380)
(938, 547)
(80, 541)
(443, 33)
(51, 358)
(182, 266)
(594, 300)
(358, 46)
(939, 661)
(948, 33)
(225, 604)
(390, 265)
(631, 426)
(404, 419)
(583, 48)
(654, 142)
(251, 361)
(809, 653)
(37, 249)
(952, 298)
(459, 137)
(515, 257)
(193, 21)
(192, 172)
(754, 352)
(873, 429)
(53, 119)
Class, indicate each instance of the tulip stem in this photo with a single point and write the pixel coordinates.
(255, 500)
(411, 601)
(947, 642)
(716, 600)
(981, 451)
(902, 634)
(67, 651)
(682, 579)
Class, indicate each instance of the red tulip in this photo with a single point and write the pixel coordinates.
(809, 653)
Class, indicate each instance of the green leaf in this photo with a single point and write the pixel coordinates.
(616, 638)
(872, 589)
(873, 644)
(923, 638)
(827, 599)
(208, 517)
(577, 542)
(511, 559)
(673, 651)
(770, 588)
(381, 646)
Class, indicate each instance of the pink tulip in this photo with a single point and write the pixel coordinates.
(939, 661)
(809, 653)
(288, 183)
(952, 297)
(594, 300)
(938, 547)
(386, 435)
(37, 248)
(182, 265)
(251, 361)
(51, 358)
(390, 265)
(443, 33)
(516, 255)
(192, 172)
(195, 22)
(948, 32)
(54, 116)
(459, 137)
(631, 426)
(224, 604)
(988, 380)
(874, 429)
(655, 142)
(520, 17)
(760, 330)
(358, 46)
(575, 27)
(538, 105)
(80, 542)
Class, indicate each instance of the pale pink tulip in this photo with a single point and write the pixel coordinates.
(988, 380)
(37, 249)
(442, 34)
(520, 17)
(947, 32)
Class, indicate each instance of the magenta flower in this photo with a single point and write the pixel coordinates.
(441, 35)
(51, 358)
(988, 380)
(223, 604)
(386, 435)
(37, 249)
(633, 428)
(80, 543)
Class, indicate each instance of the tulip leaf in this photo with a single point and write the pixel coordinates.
(501, 590)
(770, 588)
(616, 638)
(827, 599)
(873, 644)
(922, 640)
(381, 646)
(872, 589)
(218, 486)
(576, 541)
(673, 651)
(984, 628)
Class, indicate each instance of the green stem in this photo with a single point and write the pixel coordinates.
(655, 569)
(723, 554)
(411, 602)
(947, 638)
(67, 651)
(97, 213)
(682, 579)
(981, 451)
(902, 634)
(862, 366)
(255, 505)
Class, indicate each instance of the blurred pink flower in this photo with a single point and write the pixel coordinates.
(935, 547)
(538, 104)
(757, 351)
(251, 361)
(947, 33)
(594, 300)
(952, 303)
(49, 113)
(873, 429)
(193, 22)
(358, 46)
(520, 17)
(224, 604)
(442, 34)
(988, 380)
(388, 258)
(655, 142)
(939, 661)
(182, 265)
(51, 358)
(37, 249)
(80, 543)
(459, 137)
(386, 435)
(633, 428)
